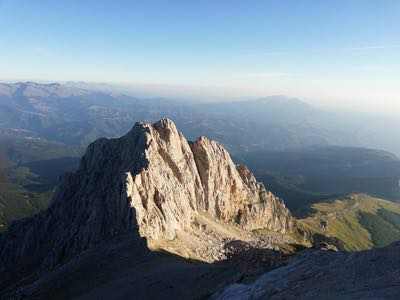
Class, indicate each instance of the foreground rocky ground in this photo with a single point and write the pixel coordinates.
(122, 270)
(315, 274)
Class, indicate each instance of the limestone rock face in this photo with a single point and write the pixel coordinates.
(167, 193)
(186, 198)
(191, 197)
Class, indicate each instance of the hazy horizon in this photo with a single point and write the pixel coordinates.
(212, 94)
(342, 55)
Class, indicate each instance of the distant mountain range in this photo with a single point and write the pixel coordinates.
(76, 116)
(302, 153)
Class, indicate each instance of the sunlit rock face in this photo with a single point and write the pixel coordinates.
(194, 189)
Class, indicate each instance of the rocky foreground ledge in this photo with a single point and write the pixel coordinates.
(313, 274)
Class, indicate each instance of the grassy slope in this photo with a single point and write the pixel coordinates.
(17, 202)
(23, 204)
(359, 220)
(29, 171)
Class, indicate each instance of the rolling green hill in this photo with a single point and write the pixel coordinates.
(358, 220)
(27, 179)
(22, 194)
(17, 202)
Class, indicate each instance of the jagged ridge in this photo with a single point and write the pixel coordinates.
(187, 198)
(188, 190)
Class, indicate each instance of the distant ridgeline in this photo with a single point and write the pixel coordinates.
(77, 115)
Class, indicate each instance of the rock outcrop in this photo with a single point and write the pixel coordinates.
(182, 197)
(191, 197)
(316, 274)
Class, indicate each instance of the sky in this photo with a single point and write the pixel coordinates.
(343, 53)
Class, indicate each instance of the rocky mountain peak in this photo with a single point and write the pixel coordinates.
(192, 196)
(184, 197)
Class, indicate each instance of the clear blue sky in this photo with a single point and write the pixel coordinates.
(309, 48)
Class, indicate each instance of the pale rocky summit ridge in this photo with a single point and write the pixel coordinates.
(191, 197)
(182, 197)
